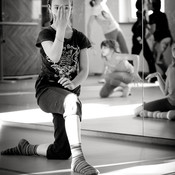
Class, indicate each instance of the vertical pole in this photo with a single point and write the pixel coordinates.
(1, 42)
(143, 35)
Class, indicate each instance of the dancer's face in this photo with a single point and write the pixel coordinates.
(66, 4)
(105, 51)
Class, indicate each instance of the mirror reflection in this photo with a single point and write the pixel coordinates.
(130, 62)
(159, 43)
(118, 84)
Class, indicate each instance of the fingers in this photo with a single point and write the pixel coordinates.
(67, 12)
(65, 82)
(148, 77)
(59, 14)
(152, 75)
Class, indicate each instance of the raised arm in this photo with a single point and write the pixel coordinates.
(60, 21)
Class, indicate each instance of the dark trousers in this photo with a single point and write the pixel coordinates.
(53, 101)
(162, 105)
(147, 53)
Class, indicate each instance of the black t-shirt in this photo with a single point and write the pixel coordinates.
(67, 66)
(162, 28)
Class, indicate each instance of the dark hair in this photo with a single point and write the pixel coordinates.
(49, 2)
(92, 3)
(112, 44)
(156, 5)
(139, 5)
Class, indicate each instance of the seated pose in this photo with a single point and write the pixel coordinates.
(119, 72)
(162, 108)
(64, 67)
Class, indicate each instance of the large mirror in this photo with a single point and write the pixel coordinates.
(154, 125)
(111, 115)
(116, 114)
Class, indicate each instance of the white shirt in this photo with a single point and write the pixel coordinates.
(104, 18)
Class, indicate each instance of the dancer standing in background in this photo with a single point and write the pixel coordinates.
(137, 30)
(140, 29)
(111, 29)
(159, 27)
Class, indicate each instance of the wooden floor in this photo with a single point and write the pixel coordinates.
(110, 156)
(113, 139)
(112, 115)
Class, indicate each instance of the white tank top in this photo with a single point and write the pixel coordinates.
(104, 18)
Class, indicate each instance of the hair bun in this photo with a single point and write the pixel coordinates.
(92, 3)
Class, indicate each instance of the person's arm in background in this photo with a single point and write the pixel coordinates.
(160, 80)
(136, 68)
(135, 59)
(170, 82)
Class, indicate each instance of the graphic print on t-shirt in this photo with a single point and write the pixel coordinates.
(68, 64)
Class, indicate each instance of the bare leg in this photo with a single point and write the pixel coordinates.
(122, 42)
(42, 149)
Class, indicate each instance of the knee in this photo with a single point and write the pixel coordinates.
(71, 105)
(66, 156)
(62, 156)
(103, 94)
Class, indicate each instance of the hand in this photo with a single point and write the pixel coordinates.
(150, 76)
(61, 18)
(66, 83)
